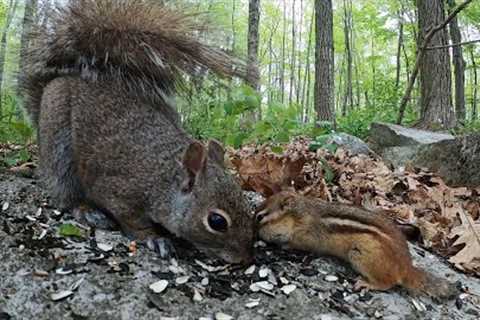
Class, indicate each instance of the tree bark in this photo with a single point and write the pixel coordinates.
(459, 67)
(475, 86)
(324, 61)
(28, 19)
(348, 98)
(284, 49)
(435, 74)
(292, 55)
(306, 82)
(253, 76)
(12, 7)
(399, 48)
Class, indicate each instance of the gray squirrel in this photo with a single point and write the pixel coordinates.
(98, 88)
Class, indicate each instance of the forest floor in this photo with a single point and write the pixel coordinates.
(45, 275)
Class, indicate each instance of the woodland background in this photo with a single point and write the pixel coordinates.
(322, 65)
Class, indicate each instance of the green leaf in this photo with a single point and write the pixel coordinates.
(277, 149)
(329, 173)
(70, 230)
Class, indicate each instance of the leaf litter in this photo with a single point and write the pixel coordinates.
(447, 218)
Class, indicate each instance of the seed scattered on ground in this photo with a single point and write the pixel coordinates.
(159, 286)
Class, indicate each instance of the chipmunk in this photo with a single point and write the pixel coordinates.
(99, 86)
(370, 242)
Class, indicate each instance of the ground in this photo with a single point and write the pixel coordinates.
(114, 284)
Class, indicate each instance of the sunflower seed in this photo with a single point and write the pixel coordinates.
(182, 280)
(5, 206)
(61, 295)
(250, 270)
(288, 289)
(159, 286)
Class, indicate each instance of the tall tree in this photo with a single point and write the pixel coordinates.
(459, 67)
(284, 51)
(12, 7)
(292, 59)
(435, 74)
(475, 85)
(28, 15)
(399, 47)
(253, 76)
(324, 61)
(347, 28)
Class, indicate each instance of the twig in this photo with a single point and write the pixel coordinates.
(453, 45)
(421, 53)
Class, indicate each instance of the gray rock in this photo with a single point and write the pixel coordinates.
(351, 143)
(385, 135)
(456, 160)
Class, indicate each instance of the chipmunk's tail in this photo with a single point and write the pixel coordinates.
(142, 44)
(420, 282)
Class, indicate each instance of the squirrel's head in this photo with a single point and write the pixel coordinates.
(210, 208)
(276, 220)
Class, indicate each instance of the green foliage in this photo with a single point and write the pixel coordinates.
(13, 127)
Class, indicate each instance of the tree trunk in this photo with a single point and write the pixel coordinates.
(348, 98)
(435, 74)
(459, 67)
(292, 59)
(306, 82)
(12, 7)
(253, 76)
(475, 86)
(30, 8)
(284, 40)
(299, 65)
(324, 61)
(399, 48)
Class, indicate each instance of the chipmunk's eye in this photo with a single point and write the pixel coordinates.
(259, 217)
(217, 222)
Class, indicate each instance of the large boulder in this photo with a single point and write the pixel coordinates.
(457, 160)
(351, 143)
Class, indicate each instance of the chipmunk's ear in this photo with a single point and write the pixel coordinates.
(216, 152)
(194, 161)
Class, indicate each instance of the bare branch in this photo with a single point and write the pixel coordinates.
(453, 45)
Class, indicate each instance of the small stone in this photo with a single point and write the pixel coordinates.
(63, 271)
(331, 278)
(197, 296)
(250, 270)
(252, 304)
(257, 286)
(222, 316)
(288, 289)
(263, 273)
(61, 295)
(21, 247)
(40, 273)
(260, 244)
(205, 282)
(159, 286)
(57, 213)
(104, 247)
(419, 305)
(284, 280)
(5, 206)
(42, 234)
(182, 280)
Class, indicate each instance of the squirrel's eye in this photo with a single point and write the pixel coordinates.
(217, 222)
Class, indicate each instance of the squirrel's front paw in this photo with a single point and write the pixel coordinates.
(162, 246)
(93, 218)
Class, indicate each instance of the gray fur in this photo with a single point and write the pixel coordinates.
(109, 138)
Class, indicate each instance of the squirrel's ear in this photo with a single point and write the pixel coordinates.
(194, 158)
(216, 152)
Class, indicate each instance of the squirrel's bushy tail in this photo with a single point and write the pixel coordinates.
(422, 282)
(142, 44)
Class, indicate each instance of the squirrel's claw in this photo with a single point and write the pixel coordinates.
(162, 246)
(93, 217)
